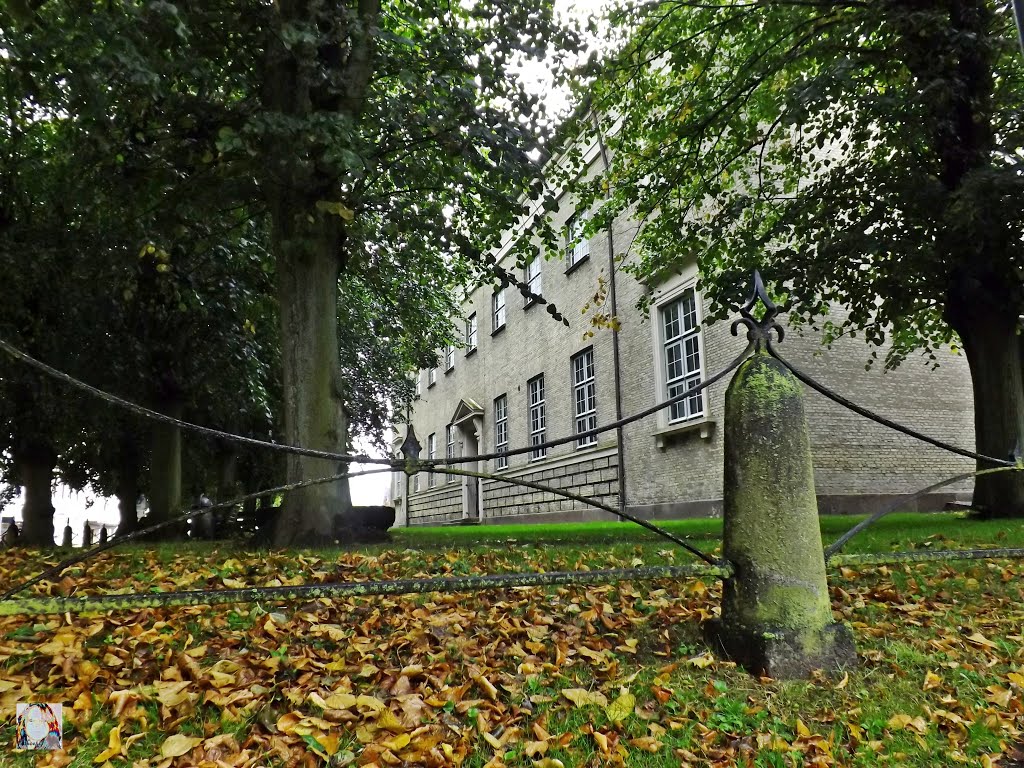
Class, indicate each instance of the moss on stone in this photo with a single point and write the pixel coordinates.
(778, 600)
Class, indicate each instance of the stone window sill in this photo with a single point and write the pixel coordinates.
(573, 267)
(664, 435)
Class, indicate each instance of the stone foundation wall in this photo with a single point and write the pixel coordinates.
(436, 506)
(596, 477)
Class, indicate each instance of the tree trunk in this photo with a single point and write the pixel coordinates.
(989, 336)
(128, 487)
(303, 82)
(128, 479)
(165, 466)
(227, 484)
(308, 257)
(34, 463)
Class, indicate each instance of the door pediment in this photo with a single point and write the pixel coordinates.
(465, 411)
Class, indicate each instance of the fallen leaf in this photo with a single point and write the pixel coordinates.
(906, 722)
(113, 746)
(581, 697)
(979, 639)
(398, 743)
(647, 743)
(621, 708)
(177, 745)
(534, 748)
(340, 701)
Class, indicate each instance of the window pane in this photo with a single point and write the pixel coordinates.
(674, 361)
(689, 311)
(692, 354)
(670, 318)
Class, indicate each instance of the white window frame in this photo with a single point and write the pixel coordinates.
(533, 278)
(431, 454)
(685, 411)
(584, 396)
(536, 416)
(501, 430)
(416, 483)
(498, 310)
(419, 388)
(471, 333)
(449, 357)
(576, 250)
(431, 377)
(449, 448)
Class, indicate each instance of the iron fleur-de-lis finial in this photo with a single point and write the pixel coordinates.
(411, 451)
(759, 332)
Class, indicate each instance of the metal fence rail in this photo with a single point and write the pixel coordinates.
(39, 605)
(759, 335)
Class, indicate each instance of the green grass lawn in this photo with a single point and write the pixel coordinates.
(576, 676)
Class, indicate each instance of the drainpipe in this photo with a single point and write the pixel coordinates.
(617, 370)
(405, 475)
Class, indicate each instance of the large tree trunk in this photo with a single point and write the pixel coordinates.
(304, 82)
(128, 487)
(308, 257)
(165, 466)
(983, 295)
(34, 462)
(988, 331)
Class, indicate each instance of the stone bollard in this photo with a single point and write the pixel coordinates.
(66, 539)
(776, 615)
(86, 535)
(103, 534)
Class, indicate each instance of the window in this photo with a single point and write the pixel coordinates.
(431, 454)
(501, 431)
(449, 449)
(681, 351)
(584, 393)
(449, 358)
(416, 483)
(431, 377)
(577, 247)
(498, 310)
(538, 421)
(417, 383)
(471, 334)
(533, 278)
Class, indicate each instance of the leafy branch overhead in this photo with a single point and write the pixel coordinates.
(326, 163)
(865, 156)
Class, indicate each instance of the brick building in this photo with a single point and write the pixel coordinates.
(523, 378)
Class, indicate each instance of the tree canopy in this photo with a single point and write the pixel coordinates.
(254, 199)
(863, 155)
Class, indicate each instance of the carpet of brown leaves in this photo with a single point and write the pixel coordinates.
(610, 675)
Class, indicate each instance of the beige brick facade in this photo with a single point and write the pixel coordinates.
(668, 470)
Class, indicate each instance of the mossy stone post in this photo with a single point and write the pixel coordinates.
(776, 615)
